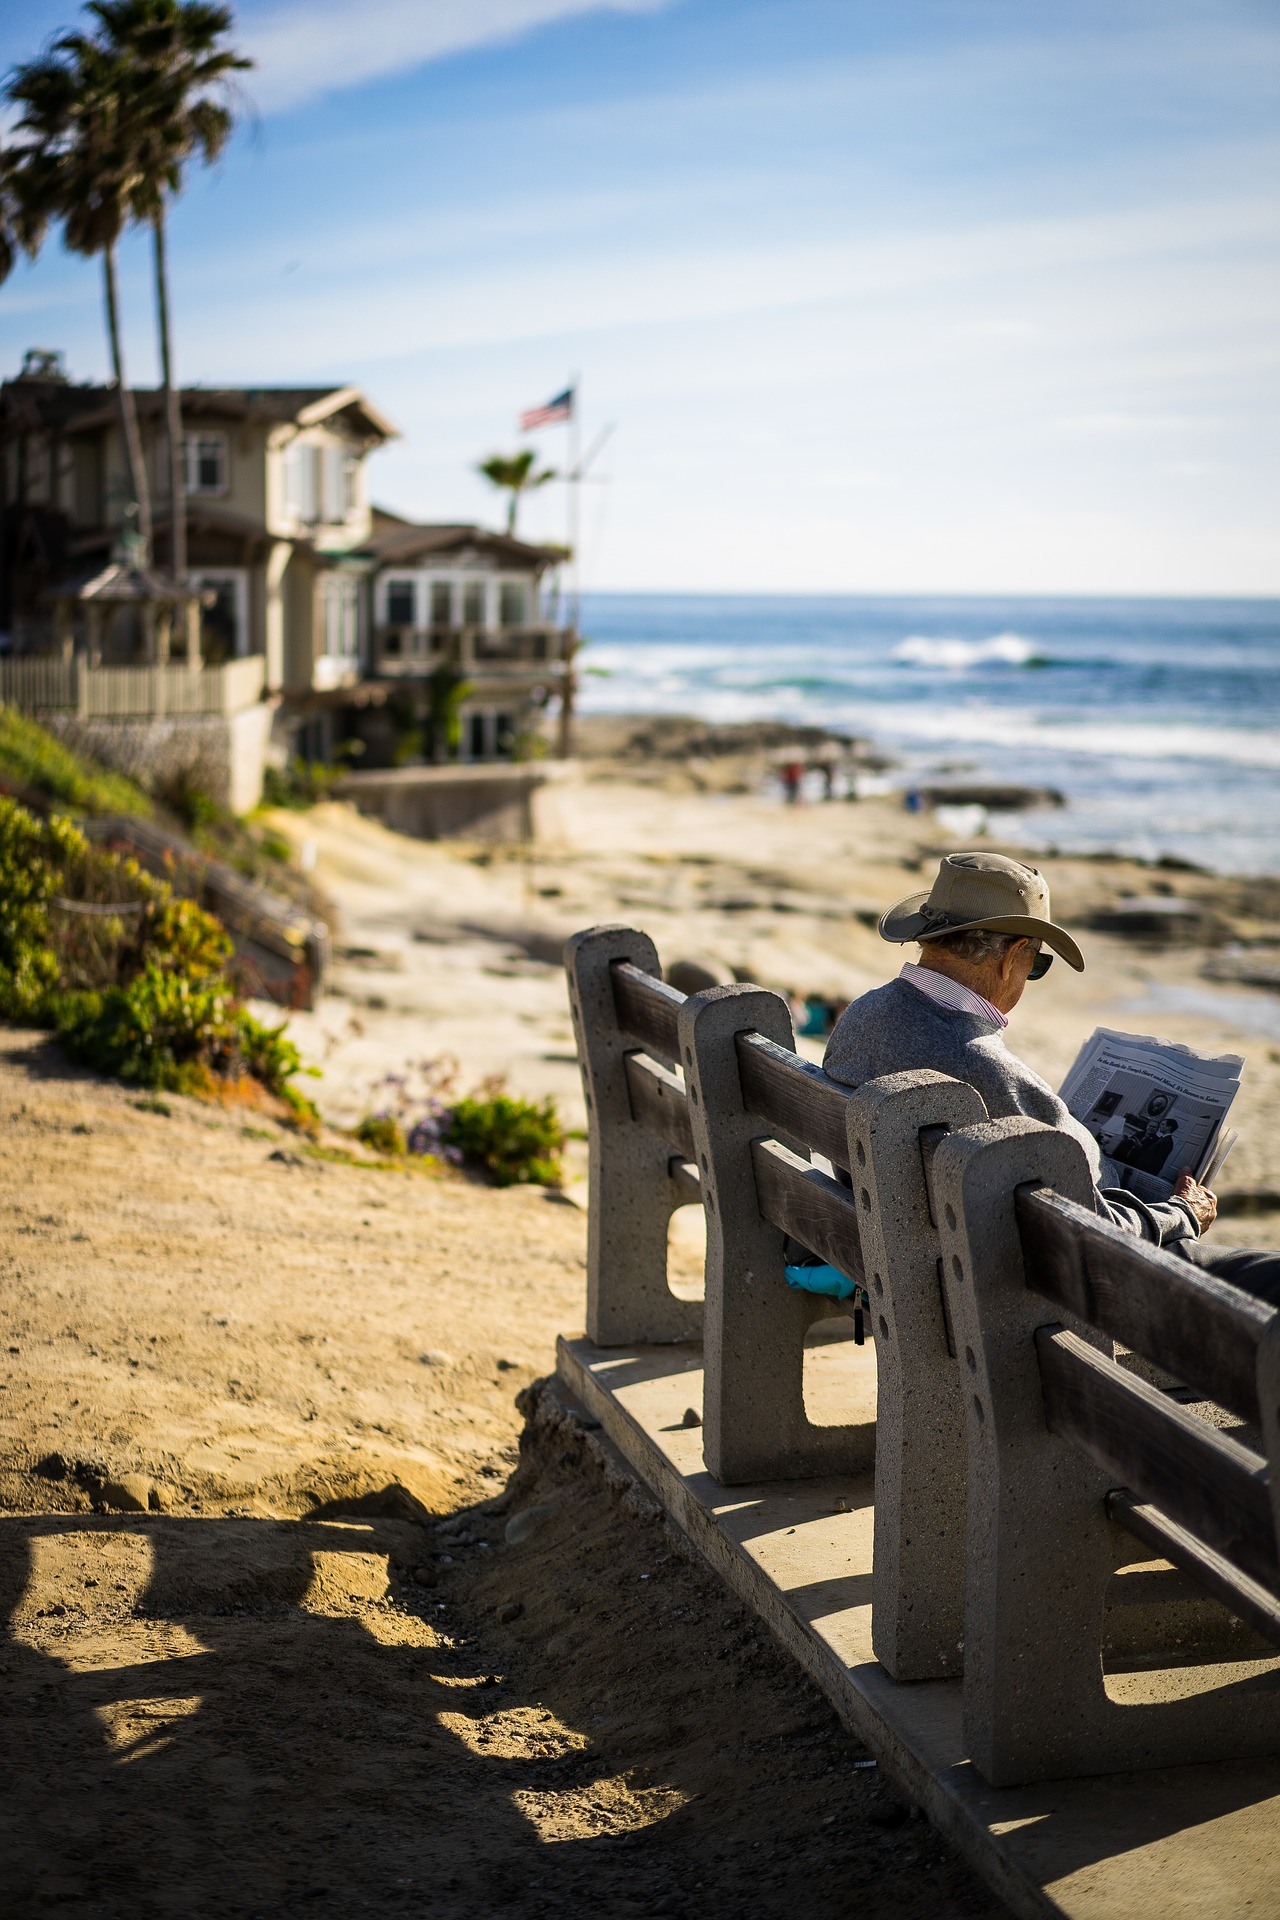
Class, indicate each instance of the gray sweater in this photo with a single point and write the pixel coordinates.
(898, 1029)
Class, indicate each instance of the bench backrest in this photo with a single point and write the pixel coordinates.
(703, 1098)
(1078, 1465)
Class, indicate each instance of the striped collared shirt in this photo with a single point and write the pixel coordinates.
(947, 992)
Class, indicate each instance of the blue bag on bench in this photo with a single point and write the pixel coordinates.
(821, 1279)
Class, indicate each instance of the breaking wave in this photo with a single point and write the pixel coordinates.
(957, 656)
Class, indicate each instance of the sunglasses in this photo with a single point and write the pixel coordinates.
(1043, 962)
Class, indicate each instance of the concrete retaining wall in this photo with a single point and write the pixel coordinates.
(443, 803)
(222, 757)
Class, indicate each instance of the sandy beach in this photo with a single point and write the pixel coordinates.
(302, 1617)
(448, 949)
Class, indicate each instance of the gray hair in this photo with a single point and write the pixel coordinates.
(975, 943)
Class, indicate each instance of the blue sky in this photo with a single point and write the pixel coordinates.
(886, 295)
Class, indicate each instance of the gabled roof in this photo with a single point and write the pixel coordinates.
(122, 584)
(84, 409)
(398, 543)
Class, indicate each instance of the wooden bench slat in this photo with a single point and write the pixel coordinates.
(793, 1095)
(659, 1102)
(1203, 1480)
(809, 1205)
(647, 1008)
(1251, 1602)
(1165, 1309)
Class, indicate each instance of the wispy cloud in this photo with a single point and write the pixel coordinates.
(304, 50)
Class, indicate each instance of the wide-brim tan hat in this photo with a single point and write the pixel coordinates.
(984, 890)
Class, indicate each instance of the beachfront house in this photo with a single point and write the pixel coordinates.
(476, 605)
(277, 508)
(308, 617)
(93, 637)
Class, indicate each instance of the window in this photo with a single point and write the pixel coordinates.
(441, 604)
(340, 609)
(504, 735)
(302, 481)
(513, 604)
(402, 607)
(476, 731)
(350, 484)
(224, 622)
(204, 460)
(473, 604)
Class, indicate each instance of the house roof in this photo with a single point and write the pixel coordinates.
(397, 543)
(84, 409)
(120, 583)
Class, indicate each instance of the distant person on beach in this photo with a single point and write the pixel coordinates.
(791, 773)
(982, 930)
(828, 760)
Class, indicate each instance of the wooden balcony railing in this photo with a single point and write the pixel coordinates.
(483, 650)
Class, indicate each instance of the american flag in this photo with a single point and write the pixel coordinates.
(561, 408)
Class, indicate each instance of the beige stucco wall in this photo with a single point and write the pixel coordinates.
(330, 536)
(299, 621)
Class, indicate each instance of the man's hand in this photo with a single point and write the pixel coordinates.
(1202, 1203)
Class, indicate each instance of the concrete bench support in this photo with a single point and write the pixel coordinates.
(755, 1423)
(633, 1195)
(918, 1569)
(1041, 1548)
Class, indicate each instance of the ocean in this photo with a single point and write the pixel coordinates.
(1158, 719)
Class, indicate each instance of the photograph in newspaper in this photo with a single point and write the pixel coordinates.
(1155, 1108)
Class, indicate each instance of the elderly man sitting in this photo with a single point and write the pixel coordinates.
(982, 930)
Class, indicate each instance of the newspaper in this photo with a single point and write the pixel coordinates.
(1156, 1109)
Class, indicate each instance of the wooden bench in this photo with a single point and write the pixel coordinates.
(703, 1100)
(1079, 1466)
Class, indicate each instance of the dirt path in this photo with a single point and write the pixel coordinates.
(268, 1650)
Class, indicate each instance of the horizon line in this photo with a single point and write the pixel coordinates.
(930, 593)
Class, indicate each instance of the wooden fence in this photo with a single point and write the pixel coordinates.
(37, 684)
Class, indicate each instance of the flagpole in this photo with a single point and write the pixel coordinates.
(573, 508)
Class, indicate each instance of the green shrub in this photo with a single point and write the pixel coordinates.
(382, 1132)
(268, 1056)
(33, 757)
(182, 938)
(274, 846)
(519, 1141)
(303, 782)
(132, 979)
(33, 856)
(158, 1031)
(191, 806)
(97, 948)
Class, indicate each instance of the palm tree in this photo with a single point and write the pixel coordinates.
(447, 691)
(514, 473)
(179, 108)
(73, 162)
(11, 237)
